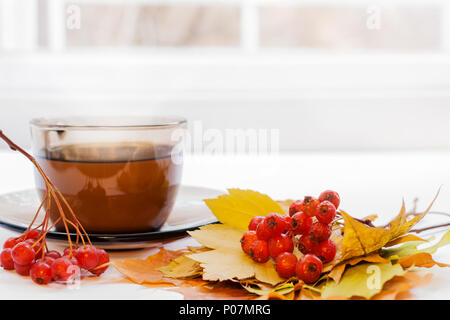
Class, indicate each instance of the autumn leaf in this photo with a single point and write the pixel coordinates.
(421, 259)
(363, 280)
(237, 208)
(409, 255)
(227, 261)
(182, 268)
(337, 272)
(403, 239)
(264, 290)
(398, 287)
(146, 271)
(360, 239)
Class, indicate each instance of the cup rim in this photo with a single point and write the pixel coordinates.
(114, 123)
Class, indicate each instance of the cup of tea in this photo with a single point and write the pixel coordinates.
(119, 175)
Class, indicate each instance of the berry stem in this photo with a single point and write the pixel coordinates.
(52, 193)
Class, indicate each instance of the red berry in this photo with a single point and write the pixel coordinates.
(103, 258)
(296, 206)
(53, 254)
(331, 196)
(259, 251)
(309, 268)
(288, 223)
(66, 251)
(326, 251)
(30, 242)
(306, 245)
(23, 270)
(279, 245)
(285, 265)
(275, 223)
(263, 232)
(301, 223)
(23, 254)
(320, 232)
(310, 204)
(47, 260)
(33, 234)
(10, 243)
(41, 273)
(87, 257)
(247, 240)
(6, 260)
(326, 212)
(63, 269)
(255, 222)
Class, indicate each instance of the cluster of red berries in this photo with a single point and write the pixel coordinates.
(28, 256)
(308, 226)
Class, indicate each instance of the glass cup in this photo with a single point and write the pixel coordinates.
(119, 175)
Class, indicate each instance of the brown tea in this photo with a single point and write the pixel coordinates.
(113, 188)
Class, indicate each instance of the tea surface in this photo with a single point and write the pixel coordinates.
(113, 188)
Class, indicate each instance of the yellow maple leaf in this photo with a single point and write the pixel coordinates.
(237, 208)
(227, 261)
(360, 239)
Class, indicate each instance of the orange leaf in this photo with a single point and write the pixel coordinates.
(421, 259)
(399, 286)
(145, 271)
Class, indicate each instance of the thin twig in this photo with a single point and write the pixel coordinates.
(430, 228)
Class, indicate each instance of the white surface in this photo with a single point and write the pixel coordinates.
(367, 182)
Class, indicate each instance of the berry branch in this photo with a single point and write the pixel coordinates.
(22, 253)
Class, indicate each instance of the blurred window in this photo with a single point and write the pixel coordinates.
(248, 25)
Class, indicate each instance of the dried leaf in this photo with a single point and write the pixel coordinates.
(227, 261)
(363, 280)
(237, 208)
(337, 272)
(264, 290)
(400, 285)
(146, 271)
(182, 268)
(405, 238)
(411, 248)
(421, 259)
(372, 217)
(360, 239)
